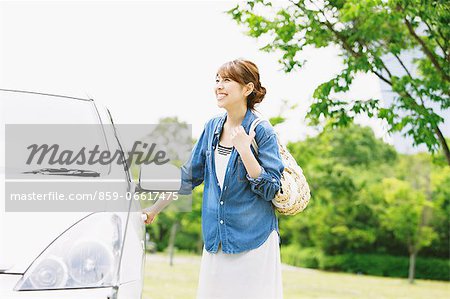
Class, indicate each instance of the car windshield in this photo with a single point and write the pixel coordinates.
(61, 124)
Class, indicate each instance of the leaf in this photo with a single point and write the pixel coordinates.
(276, 120)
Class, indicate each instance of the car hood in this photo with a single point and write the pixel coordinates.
(24, 235)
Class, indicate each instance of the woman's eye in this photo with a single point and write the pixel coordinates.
(224, 79)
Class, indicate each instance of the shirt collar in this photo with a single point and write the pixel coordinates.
(248, 118)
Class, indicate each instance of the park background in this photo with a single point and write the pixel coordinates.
(358, 90)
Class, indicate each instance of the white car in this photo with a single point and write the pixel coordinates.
(69, 254)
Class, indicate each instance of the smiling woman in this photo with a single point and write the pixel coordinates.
(241, 254)
(236, 74)
(242, 260)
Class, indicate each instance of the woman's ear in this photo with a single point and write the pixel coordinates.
(249, 88)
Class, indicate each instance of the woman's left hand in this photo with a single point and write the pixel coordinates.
(241, 140)
(150, 215)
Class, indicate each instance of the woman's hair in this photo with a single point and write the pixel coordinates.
(244, 72)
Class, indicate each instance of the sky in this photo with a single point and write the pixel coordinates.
(146, 60)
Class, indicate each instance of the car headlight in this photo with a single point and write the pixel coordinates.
(51, 272)
(86, 255)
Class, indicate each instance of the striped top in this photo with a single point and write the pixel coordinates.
(221, 157)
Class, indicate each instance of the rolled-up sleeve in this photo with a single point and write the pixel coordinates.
(268, 182)
(192, 172)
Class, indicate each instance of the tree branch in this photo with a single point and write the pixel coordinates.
(446, 44)
(443, 143)
(411, 77)
(430, 55)
(382, 77)
(437, 40)
(427, 51)
(403, 66)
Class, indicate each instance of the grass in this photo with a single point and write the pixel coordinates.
(179, 281)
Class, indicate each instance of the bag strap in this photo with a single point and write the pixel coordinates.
(253, 125)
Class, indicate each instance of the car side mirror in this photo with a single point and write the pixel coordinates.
(163, 178)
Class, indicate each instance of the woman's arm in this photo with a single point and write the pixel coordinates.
(265, 178)
(242, 142)
(268, 182)
(193, 171)
(192, 174)
(251, 164)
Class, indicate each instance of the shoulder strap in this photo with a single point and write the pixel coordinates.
(253, 125)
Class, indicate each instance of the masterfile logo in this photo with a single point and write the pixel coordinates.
(68, 167)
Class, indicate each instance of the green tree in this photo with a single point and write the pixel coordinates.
(190, 234)
(404, 215)
(368, 199)
(433, 180)
(368, 33)
(339, 164)
(171, 136)
(440, 183)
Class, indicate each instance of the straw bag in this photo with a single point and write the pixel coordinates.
(294, 193)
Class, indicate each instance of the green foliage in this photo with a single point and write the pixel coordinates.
(352, 146)
(188, 235)
(370, 264)
(369, 33)
(276, 120)
(440, 180)
(339, 165)
(368, 198)
(403, 214)
(301, 257)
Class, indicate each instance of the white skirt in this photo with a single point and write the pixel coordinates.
(251, 274)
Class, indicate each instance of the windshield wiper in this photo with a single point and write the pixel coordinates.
(65, 171)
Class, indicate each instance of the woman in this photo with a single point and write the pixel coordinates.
(241, 255)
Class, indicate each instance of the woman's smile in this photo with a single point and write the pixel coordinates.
(221, 95)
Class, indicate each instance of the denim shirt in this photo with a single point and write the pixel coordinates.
(241, 216)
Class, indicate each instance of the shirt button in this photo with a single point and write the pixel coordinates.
(225, 188)
(221, 221)
(221, 202)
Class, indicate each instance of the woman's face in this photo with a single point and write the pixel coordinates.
(229, 93)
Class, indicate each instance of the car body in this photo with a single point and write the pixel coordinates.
(69, 254)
